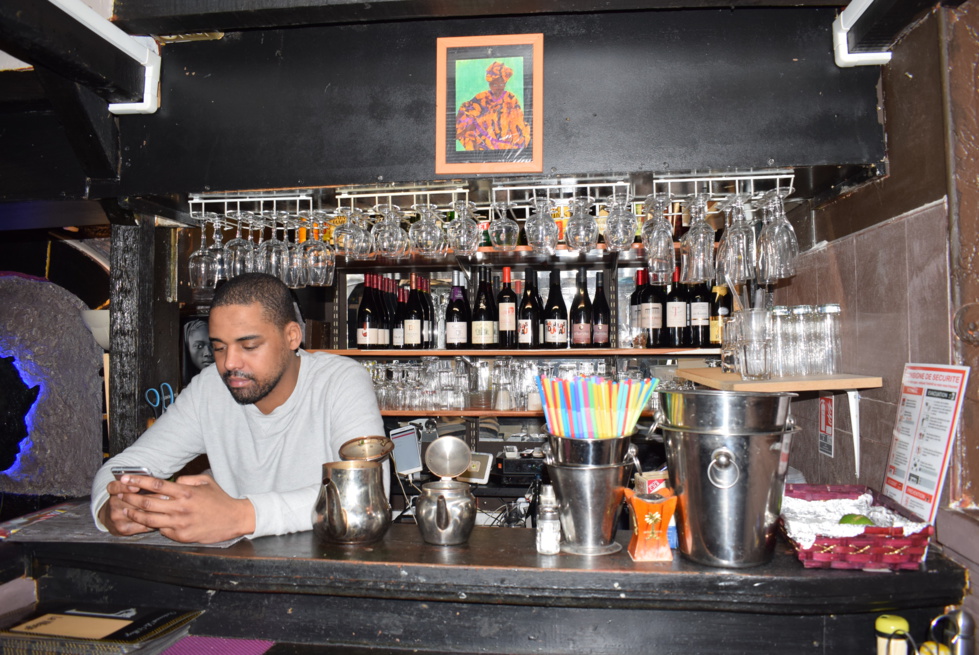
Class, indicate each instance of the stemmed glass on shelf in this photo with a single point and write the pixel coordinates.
(657, 239)
(425, 234)
(697, 245)
(297, 270)
(201, 269)
(620, 226)
(319, 255)
(581, 233)
(504, 232)
(778, 245)
(217, 248)
(274, 253)
(540, 228)
(239, 252)
(463, 232)
(390, 239)
(736, 250)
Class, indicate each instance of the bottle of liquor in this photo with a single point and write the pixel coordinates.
(383, 283)
(652, 306)
(635, 303)
(720, 310)
(414, 315)
(698, 296)
(426, 312)
(580, 315)
(457, 315)
(398, 327)
(484, 314)
(540, 303)
(368, 316)
(529, 313)
(601, 316)
(506, 309)
(555, 315)
(677, 334)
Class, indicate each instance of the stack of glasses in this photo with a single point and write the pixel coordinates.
(802, 340)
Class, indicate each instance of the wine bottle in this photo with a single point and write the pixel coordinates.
(414, 315)
(635, 303)
(720, 310)
(601, 315)
(506, 309)
(384, 332)
(428, 322)
(651, 309)
(676, 334)
(368, 316)
(540, 303)
(529, 314)
(555, 315)
(698, 296)
(483, 314)
(580, 315)
(398, 328)
(457, 315)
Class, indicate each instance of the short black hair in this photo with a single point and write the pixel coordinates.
(267, 290)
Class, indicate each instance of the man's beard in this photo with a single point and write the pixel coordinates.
(251, 395)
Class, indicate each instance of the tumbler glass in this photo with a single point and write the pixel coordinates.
(827, 339)
(756, 359)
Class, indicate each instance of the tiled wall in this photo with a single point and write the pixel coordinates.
(893, 284)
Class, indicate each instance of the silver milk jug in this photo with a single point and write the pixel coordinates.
(351, 507)
(446, 512)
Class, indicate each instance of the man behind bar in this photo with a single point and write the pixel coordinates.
(267, 415)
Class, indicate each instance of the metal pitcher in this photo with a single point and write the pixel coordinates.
(446, 512)
(351, 507)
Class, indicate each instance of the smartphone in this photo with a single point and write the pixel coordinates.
(120, 471)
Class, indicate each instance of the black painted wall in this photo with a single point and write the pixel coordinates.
(623, 92)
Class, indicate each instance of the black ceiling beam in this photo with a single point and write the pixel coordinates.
(50, 213)
(41, 34)
(163, 17)
(880, 26)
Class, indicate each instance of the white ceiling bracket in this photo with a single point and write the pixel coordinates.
(144, 49)
(841, 28)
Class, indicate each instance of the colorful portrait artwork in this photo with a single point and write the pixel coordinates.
(489, 104)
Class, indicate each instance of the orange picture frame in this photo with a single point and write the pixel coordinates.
(489, 104)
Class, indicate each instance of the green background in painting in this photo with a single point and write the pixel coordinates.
(471, 80)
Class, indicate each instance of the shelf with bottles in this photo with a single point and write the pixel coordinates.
(542, 353)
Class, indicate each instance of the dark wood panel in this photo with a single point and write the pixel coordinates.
(36, 159)
(629, 91)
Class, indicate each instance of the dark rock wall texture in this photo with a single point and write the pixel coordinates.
(41, 327)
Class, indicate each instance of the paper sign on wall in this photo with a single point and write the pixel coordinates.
(927, 419)
(826, 434)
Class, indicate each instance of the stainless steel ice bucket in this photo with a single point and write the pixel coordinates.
(731, 411)
(589, 501)
(568, 451)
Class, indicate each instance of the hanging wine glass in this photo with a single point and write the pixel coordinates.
(581, 234)
(697, 245)
(320, 257)
(540, 228)
(504, 232)
(463, 232)
(361, 242)
(778, 245)
(657, 239)
(297, 269)
(239, 252)
(217, 248)
(274, 253)
(621, 224)
(425, 234)
(736, 250)
(390, 239)
(201, 270)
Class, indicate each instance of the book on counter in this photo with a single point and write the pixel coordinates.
(83, 628)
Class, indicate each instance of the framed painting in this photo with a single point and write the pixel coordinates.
(489, 104)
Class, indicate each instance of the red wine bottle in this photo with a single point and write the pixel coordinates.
(457, 315)
(555, 315)
(580, 314)
(676, 334)
(699, 297)
(529, 313)
(484, 314)
(414, 316)
(506, 309)
(369, 316)
(651, 309)
(398, 328)
(601, 315)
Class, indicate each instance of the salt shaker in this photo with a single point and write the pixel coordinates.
(548, 523)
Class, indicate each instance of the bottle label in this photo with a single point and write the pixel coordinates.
(383, 337)
(426, 331)
(581, 333)
(599, 333)
(676, 314)
(524, 326)
(413, 332)
(556, 330)
(699, 314)
(716, 329)
(634, 316)
(482, 333)
(508, 316)
(366, 336)
(455, 332)
(651, 316)
(398, 337)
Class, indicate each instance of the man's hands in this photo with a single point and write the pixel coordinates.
(192, 509)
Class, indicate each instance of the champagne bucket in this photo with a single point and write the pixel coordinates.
(732, 411)
(589, 502)
(566, 451)
(729, 493)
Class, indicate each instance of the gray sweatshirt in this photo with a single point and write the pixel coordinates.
(274, 460)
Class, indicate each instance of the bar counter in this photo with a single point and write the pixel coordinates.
(494, 594)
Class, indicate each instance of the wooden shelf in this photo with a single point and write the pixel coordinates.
(717, 379)
(465, 413)
(556, 352)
